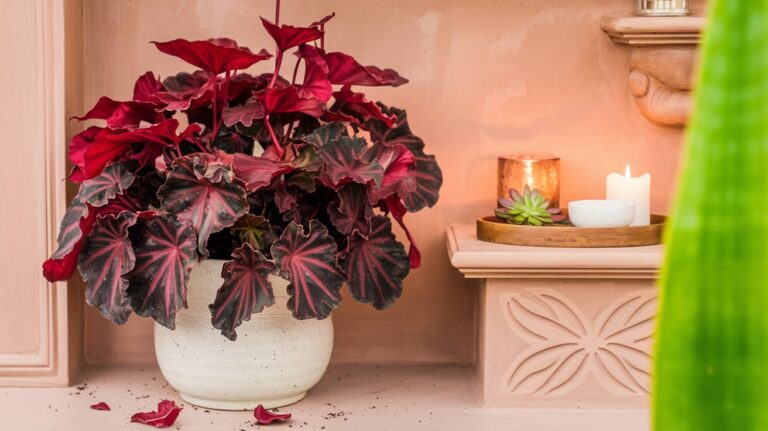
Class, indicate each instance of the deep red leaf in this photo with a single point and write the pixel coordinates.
(376, 265)
(342, 162)
(165, 253)
(356, 105)
(202, 190)
(266, 417)
(345, 70)
(287, 202)
(246, 290)
(77, 148)
(143, 145)
(102, 110)
(212, 55)
(122, 115)
(129, 200)
(394, 205)
(316, 83)
(309, 262)
(107, 256)
(100, 406)
(243, 85)
(288, 36)
(288, 99)
(165, 416)
(185, 90)
(243, 114)
(296, 205)
(353, 212)
(428, 178)
(257, 172)
(337, 116)
(399, 171)
(113, 181)
(145, 87)
(321, 22)
(76, 224)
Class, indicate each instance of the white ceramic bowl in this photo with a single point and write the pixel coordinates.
(601, 213)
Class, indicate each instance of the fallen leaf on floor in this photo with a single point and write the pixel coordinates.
(100, 406)
(165, 416)
(266, 417)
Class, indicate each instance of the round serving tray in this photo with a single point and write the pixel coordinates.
(494, 229)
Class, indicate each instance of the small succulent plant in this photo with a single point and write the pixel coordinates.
(529, 208)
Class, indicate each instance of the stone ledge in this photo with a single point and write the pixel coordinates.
(653, 31)
(476, 259)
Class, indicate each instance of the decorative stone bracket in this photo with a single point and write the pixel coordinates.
(663, 54)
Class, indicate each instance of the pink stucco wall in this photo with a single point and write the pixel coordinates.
(487, 78)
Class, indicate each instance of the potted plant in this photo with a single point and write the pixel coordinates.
(276, 193)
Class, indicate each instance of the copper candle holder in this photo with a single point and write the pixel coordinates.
(536, 172)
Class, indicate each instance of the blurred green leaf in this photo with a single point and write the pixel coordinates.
(711, 369)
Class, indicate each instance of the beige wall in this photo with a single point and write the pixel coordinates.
(487, 78)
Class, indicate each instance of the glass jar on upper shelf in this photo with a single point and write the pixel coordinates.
(663, 7)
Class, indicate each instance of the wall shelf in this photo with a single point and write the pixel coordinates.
(654, 31)
(663, 53)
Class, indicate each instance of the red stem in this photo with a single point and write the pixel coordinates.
(225, 89)
(273, 136)
(215, 115)
(277, 12)
(296, 70)
(278, 63)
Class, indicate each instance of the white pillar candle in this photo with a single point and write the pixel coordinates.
(637, 190)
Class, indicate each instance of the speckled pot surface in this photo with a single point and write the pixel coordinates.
(273, 362)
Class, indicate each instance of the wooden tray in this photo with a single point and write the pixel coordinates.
(494, 229)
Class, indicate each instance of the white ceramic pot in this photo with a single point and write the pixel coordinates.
(273, 362)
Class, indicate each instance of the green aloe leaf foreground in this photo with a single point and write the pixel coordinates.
(711, 369)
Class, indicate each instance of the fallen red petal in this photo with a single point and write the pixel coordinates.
(165, 416)
(100, 406)
(266, 417)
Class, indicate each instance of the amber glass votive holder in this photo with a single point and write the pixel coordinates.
(536, 171)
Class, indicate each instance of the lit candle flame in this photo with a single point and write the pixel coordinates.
(627, 172)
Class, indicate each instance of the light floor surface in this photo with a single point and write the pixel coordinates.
(350, 397)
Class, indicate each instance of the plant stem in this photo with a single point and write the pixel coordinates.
(225, 90)
(296, 71)
(273, 136)
(277, 12)
(215, 115)
(278, 63)
(202, 148)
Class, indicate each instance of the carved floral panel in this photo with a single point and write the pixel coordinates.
(565, 346)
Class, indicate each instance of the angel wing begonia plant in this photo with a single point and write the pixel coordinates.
(276, 175)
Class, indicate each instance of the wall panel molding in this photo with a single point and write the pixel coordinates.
(34, 354)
